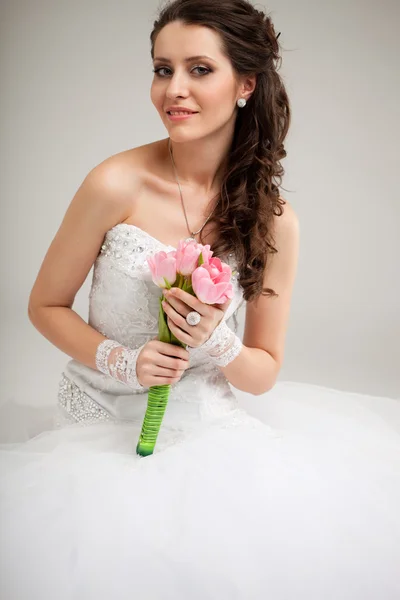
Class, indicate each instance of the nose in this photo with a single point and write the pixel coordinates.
(177, 86)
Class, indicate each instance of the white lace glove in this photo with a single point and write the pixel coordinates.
(119, 362)
(223, 346)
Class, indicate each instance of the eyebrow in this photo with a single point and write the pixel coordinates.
(198, 57)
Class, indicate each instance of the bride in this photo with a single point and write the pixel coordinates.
(227, 506)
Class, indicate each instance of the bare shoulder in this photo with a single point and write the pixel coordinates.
(124, 174)
(281, 267)
(104, 199)
(118, 177)
(135, 161)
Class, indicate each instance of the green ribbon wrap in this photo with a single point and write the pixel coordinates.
(158, 395)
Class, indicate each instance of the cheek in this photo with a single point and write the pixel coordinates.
(156, 96)
(220, 98)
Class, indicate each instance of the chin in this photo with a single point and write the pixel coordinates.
(180, 137)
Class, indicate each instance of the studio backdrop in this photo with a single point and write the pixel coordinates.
(75, 89)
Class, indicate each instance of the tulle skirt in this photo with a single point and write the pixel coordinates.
(299, 499)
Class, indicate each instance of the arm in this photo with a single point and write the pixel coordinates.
(256, 367)
(103, 200)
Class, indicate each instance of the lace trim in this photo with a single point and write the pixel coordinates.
(121, 364)
(230, 354)
(102, 354)
(223, 345)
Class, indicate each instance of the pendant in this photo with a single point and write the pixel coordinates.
(191, 239)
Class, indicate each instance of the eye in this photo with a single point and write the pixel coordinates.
(204, 69)
(159, 69)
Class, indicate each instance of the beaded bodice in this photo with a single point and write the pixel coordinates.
(124, 301)
(124, 306)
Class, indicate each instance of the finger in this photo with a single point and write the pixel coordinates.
(165, 380)
(167, 372)
(178, 305)
(177, 319)
(182, 336)
(223, 305)
(191, 301)
(171, 362)
(167, 349)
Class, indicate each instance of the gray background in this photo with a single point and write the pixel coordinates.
(75, 89)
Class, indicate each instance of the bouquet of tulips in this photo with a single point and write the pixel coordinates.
(192, 268)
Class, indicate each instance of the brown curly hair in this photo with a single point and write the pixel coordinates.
(249, 193)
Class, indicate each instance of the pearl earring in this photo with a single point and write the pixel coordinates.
(241, 102)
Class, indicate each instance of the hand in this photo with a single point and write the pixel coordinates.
(160, 363)
(179, 305)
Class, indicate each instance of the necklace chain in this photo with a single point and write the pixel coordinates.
(192, 233)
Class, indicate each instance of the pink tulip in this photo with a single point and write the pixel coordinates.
(163, 268)
(207, 253)
(187, 256)
(211, 282)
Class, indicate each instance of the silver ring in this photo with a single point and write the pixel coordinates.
(193, 318)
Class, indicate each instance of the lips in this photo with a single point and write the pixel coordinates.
(181, 109)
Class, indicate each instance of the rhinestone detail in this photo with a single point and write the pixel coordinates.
(125, 240)
(124, 306)
(79, 405)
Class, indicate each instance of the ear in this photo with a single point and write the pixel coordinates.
(248, 85)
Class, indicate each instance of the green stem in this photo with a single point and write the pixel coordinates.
(158, 395)
(156, 404)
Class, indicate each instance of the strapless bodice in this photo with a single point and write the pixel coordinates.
(124, 306)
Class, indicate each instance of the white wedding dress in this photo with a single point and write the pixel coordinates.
(302, 502)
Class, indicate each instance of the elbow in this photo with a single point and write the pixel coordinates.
(264, 389)
(31, 307)
(272, 379)
(32, 311)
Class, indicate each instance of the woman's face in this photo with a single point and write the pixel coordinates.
(205, 85)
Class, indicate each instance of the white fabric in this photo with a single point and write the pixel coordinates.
(297, 500)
